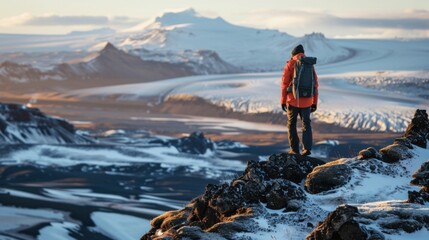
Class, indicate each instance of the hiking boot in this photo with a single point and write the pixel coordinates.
(306, 152)
(293, 153)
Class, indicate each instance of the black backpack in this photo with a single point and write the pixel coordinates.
(303, 78)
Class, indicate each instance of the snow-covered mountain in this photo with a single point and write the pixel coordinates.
(174, 34)
(254, 49)
(201, 62)
(316, 44)
(20, 124)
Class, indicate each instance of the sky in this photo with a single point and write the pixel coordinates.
(334, 18)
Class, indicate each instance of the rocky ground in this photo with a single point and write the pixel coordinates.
(107, 184)
(290, 196)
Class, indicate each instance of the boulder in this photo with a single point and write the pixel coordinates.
(404, 141)
(339, 224)
(371, 221)
(327, 177)
(368, 154)
(395, 152)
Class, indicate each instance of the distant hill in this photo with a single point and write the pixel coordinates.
(20, 124)
(113, 64)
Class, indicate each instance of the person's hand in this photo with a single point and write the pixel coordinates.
(284, 107)
(313, 107)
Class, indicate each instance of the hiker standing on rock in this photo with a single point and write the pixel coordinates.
(299, 97)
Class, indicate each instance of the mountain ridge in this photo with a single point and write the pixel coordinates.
(250, 48)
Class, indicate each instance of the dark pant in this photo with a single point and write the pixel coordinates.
(307, 135)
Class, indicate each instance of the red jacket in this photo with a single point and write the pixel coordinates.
(287, 98)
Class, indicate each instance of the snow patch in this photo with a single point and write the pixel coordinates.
(119, 226)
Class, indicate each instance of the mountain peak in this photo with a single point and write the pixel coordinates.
(188, 17)
(108, 47)
(315, 35)
(189, 12)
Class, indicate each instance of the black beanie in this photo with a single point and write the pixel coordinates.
(297, 49)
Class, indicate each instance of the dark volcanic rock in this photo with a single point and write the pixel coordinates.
(346, 222)
(339, 224)
(291, 167)
(224, 209)
(195, 143)
(395, 152)
(369, 153)
(417, 133)
(418, 130)
(419, 197)
(327, 177)
(21, 124)
(420, 178)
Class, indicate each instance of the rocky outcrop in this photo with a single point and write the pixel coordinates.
(21, 124)
(349, 223)
(195, 143)
(418, 130)
(225, 209)
(420, 178)
(327, 177)
(417, 134)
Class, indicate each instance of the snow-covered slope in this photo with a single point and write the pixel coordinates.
(201, 62)
(19, 124)
(340, 102)
(326, 51)
(254, 49)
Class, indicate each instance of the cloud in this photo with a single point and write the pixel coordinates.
(392, 23)
(15, 20)
(67, 20)
(409, 23)
(410, 19)
(56, 20)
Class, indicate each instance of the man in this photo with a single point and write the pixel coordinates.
(295, 105)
